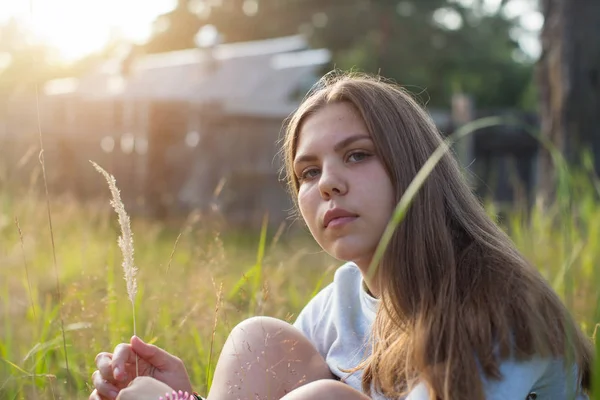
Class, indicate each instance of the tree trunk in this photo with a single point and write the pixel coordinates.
(569, 85)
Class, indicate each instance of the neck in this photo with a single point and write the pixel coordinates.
(370, 279)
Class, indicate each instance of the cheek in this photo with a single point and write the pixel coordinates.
(383, 184)
(307, 206)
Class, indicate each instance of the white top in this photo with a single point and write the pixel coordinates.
(338, 322)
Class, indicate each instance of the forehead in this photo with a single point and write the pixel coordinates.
(329, 125)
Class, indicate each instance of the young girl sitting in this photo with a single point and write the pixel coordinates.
(452, 311)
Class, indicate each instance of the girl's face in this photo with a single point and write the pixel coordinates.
(345, 195)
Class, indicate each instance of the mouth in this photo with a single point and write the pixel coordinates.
(339, 222)
(338, 217)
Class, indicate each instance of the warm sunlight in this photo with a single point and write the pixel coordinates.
(80, 27)
(76, 28)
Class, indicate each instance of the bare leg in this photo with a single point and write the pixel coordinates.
(264, 359)
(325, 390)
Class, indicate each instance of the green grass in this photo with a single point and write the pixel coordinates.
(177, 298)
(197, 280)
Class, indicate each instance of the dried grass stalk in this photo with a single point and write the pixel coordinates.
(125, 242)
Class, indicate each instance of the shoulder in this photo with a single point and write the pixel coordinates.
(345, 276)
(546, 377)
(319, 320)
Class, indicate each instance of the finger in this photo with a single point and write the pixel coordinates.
(96, 396)
(104, 365)
(101, 356)
(144, 387)
(129, 393)
(125, 395)
(104, 388)
(154, 355)
(123, 354)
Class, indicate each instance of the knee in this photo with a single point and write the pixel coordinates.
(255, 334)
(325, 385)
(274, 340)
(325, 389)
(264, 330)
(251, 341)
(259, 325)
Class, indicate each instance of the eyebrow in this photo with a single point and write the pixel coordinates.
(338, 146)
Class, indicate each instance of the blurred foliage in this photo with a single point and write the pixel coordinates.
(437, 47)
(198, 278)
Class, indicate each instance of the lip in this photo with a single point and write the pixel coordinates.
(337, 214)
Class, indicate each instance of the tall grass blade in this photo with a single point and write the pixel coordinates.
(26, 268)
(258, 268)
(173, 252)
(15, 366)
(418, 181)
(596, 367)
(41, 159)
(212, 339)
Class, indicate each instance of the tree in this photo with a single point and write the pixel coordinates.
(434, 46)
(437, 46)
(174, 30)
(569, 84)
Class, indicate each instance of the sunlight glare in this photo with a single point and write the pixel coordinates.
(80, 27)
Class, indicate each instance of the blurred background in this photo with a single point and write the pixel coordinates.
(183, 101)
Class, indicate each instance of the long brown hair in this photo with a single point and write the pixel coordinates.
(457, 297)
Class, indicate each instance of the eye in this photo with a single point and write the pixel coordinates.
(358, 156)
(309, 174)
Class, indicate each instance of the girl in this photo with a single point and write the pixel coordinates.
(453, 311)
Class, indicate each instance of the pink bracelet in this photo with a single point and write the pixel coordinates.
(181, 396)
(177, 396)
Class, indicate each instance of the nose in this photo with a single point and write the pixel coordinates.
(332, 182)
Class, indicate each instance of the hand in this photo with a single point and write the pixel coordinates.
(144, 388)
(117, 370)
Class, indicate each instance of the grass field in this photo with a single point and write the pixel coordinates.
(197, 279)
(191, 274)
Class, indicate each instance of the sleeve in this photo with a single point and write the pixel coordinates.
(518, 379)
(560, 381)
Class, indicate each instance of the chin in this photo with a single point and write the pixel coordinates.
(349, 251)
